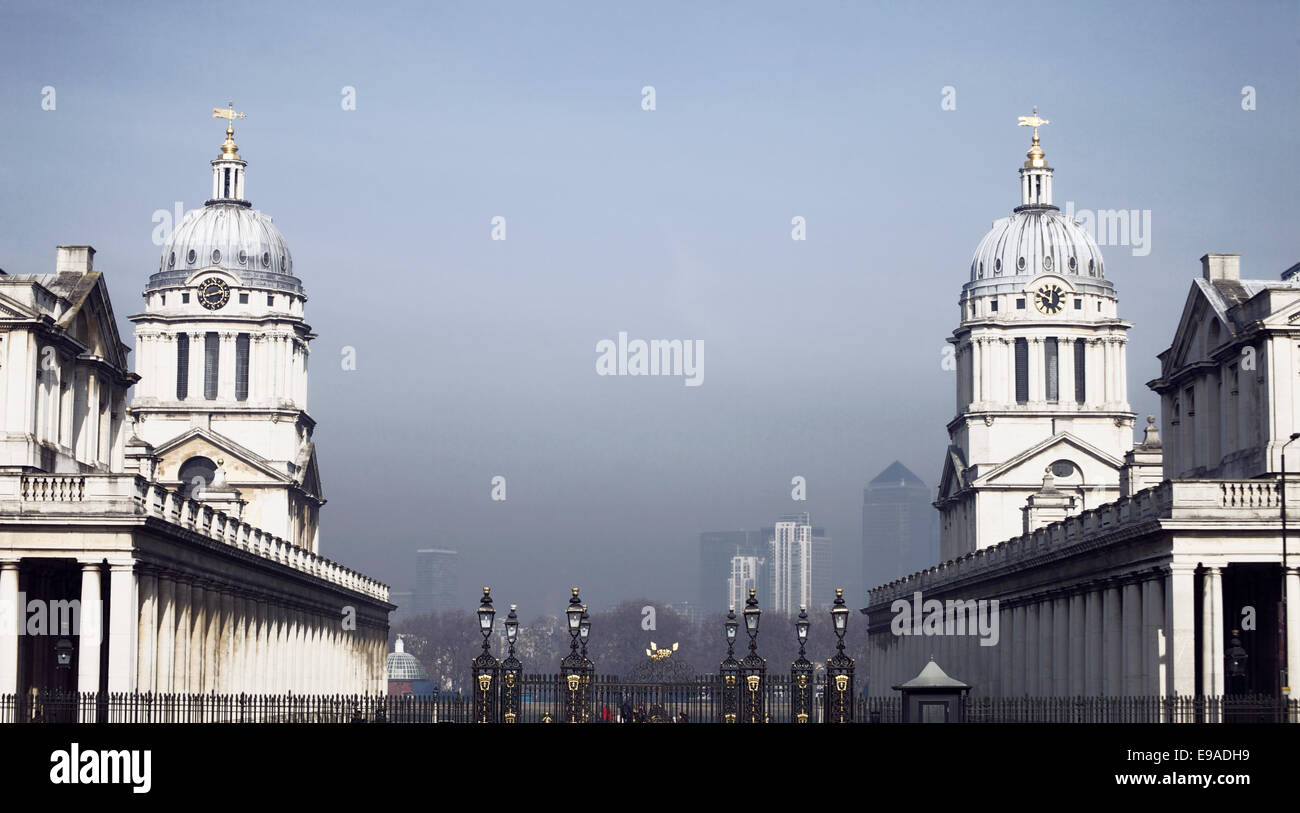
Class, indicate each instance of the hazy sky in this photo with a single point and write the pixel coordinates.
(477, 357)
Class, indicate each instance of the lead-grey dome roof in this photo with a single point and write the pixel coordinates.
(230, 236)
(402, 665)
(1037, 240)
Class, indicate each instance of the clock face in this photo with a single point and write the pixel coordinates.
(213, 293)
(1050, 298)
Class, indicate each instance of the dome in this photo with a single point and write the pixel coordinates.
(402, 665)
(231, 236)
(1037, 240)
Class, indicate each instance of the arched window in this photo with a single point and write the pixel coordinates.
(196, 473)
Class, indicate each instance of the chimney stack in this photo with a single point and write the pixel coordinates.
(74, 259)
(1221, 266)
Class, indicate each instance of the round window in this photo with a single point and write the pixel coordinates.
(1020, 263)
(981, 270)
(243, 258)
(192, 256)
(1047, 263)
(1062, 468)
(997, 265)
(216, 256)
(283, 267)
(266, 260)
(1090, 271)
(1074, 265)
(171, 261)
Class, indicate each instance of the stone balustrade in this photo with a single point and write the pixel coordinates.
(1236, 500)
(131, 495)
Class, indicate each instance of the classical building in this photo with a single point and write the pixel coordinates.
(174, 544)
(899, 526)
(1137, 596)
(1040, 353)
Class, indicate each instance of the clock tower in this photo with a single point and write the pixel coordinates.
(221, 350)
(1041, 396)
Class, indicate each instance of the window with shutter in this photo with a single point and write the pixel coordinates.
(1080, 370)
(211, 358)
(182, 366)
(1022, 371)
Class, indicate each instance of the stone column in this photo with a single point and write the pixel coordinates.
(1133, 656)
(1153, 637)
(123, 627)
(164, 660)
(90, 632)
(1046, 628)
(212, 638)
(238, 682)
(198, 639)
(147, 631)
(181, 660)
(1180, 629)
(1112, 684)
(1019, 664)
(1095, 653)
(198, 352)
(226, 367)
(225, 656)
(1061, 646)
(11, 615)
(1212, 632)
(1078, 621)
(259, 660)
(1032, 663)
(1006, 650)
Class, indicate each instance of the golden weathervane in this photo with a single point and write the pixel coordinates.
(1035, 154)
(229, 149)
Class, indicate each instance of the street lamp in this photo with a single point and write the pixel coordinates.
(511, 672)
(753, 669)
(588, 668)
(729, 672)
(485, 666)
(839, 667)
(574, 665)
(801, 672)
(1282, 642)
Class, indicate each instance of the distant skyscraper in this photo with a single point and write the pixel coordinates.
(745, 574)
(798, 568)
(716, 550)
(435, 581)
(899, 526)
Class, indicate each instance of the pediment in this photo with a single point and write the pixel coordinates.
(1028, 466)
(241, 464)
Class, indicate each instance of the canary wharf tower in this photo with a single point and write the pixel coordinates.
(1042, 406)
(222, 350)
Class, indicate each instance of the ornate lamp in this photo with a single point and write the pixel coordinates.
(729, 673)
(753, 669)
(485, 666)
(839, 668)
(574, 665)
(511, 672)
(801, 673)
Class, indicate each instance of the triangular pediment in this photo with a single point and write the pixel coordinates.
(13, 309)
(1028, 466)
(198, 436)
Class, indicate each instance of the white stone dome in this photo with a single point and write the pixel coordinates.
(1037, 240)
(231, 236)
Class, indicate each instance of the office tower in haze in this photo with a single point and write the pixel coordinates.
(900, 528)
(435, 581)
